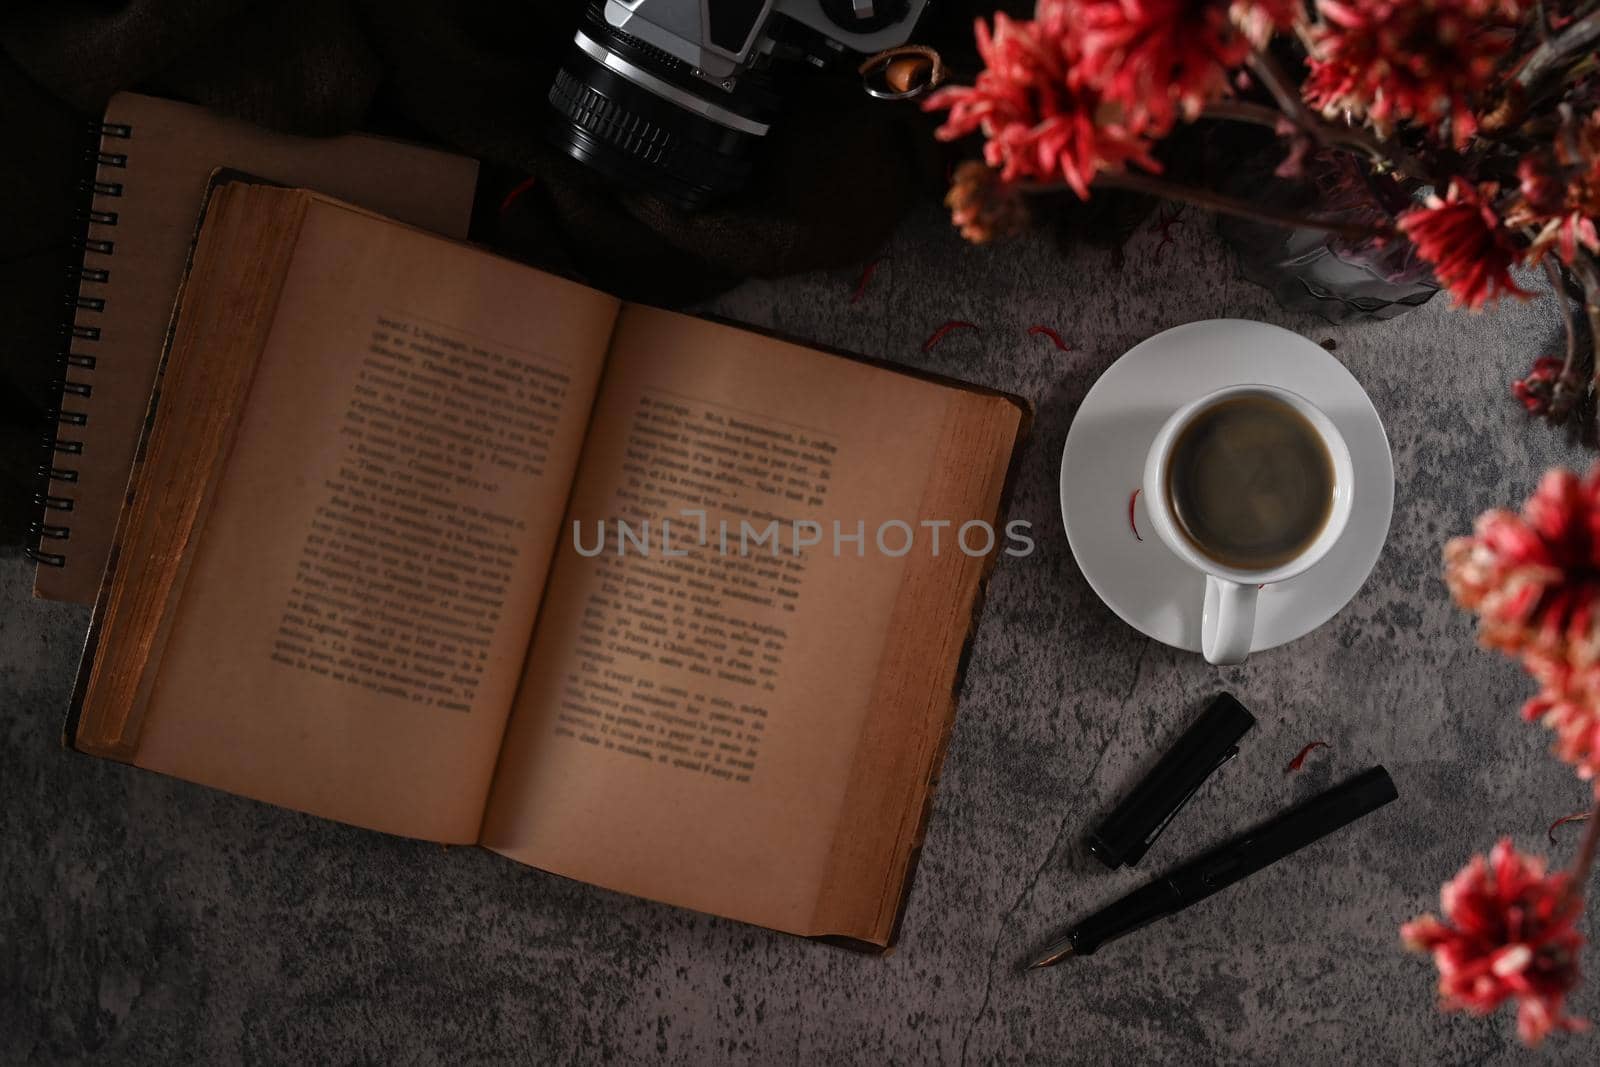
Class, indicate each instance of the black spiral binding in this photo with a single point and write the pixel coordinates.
(75, 335)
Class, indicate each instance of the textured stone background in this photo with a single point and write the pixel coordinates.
(148, 920)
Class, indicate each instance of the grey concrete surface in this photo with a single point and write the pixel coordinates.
(145, 920)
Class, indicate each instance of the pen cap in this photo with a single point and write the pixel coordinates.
(1210, 742)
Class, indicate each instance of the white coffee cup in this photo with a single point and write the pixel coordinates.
(1228, 615)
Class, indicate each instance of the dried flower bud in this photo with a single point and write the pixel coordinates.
(1547, 390)
(1542, 188)
(1509, 112)
(983, 206)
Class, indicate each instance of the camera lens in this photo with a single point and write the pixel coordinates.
(643, 118)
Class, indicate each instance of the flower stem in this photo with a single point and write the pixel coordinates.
(1347, 139)
(1560, 292)
(1350, 138)
(1227, 205)
(1588, 274)
(1276, 79)
(1586, 852)
(1242, 111)
(1554, 54)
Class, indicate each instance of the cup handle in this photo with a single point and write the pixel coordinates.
(1227, 621)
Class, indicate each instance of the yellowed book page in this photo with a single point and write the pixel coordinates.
(686, 726)
(355, 618)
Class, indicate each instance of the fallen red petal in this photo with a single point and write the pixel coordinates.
(1134, 526)
(1055, 338)
(1577, 816)
(1300, 757)
(866, 277)
(511, 197)
(1164, 224)
(943, 331)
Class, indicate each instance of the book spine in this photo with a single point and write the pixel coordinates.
(100, 194)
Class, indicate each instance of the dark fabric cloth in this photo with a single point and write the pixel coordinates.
(832, 180)
(834, 177)
(39, 162)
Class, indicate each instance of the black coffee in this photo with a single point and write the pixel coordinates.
(1250, 482)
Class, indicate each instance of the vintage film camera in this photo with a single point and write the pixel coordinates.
(674, 96)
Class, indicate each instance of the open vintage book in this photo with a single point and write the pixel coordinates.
(346, 579)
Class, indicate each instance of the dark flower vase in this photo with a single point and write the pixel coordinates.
(1310, 270)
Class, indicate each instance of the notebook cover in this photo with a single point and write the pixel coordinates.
(154, 162)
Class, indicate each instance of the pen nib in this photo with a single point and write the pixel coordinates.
(1055, 955)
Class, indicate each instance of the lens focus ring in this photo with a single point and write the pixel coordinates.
(608, 120)
(620, 130)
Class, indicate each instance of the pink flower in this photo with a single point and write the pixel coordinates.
(1462, 237)
(1533, 578)
(1508, 934)
(1041, 119)
(1425, 61)
(1534, 582)
(1568, 702)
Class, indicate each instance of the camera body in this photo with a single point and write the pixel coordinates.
(673, 96)
(721, 38)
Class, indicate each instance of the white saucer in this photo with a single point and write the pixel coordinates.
(1103, 462)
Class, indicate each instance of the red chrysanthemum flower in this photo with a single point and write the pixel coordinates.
(1533, 579)
(1158, 59)
(1561, 193)
(1424, 61)
(1568, 703)
(1041, 119)
(1463, 238)
(1508, 934)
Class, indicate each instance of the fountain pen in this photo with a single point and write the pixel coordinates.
(1223, 866)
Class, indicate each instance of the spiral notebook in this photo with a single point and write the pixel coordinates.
(148, 165)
